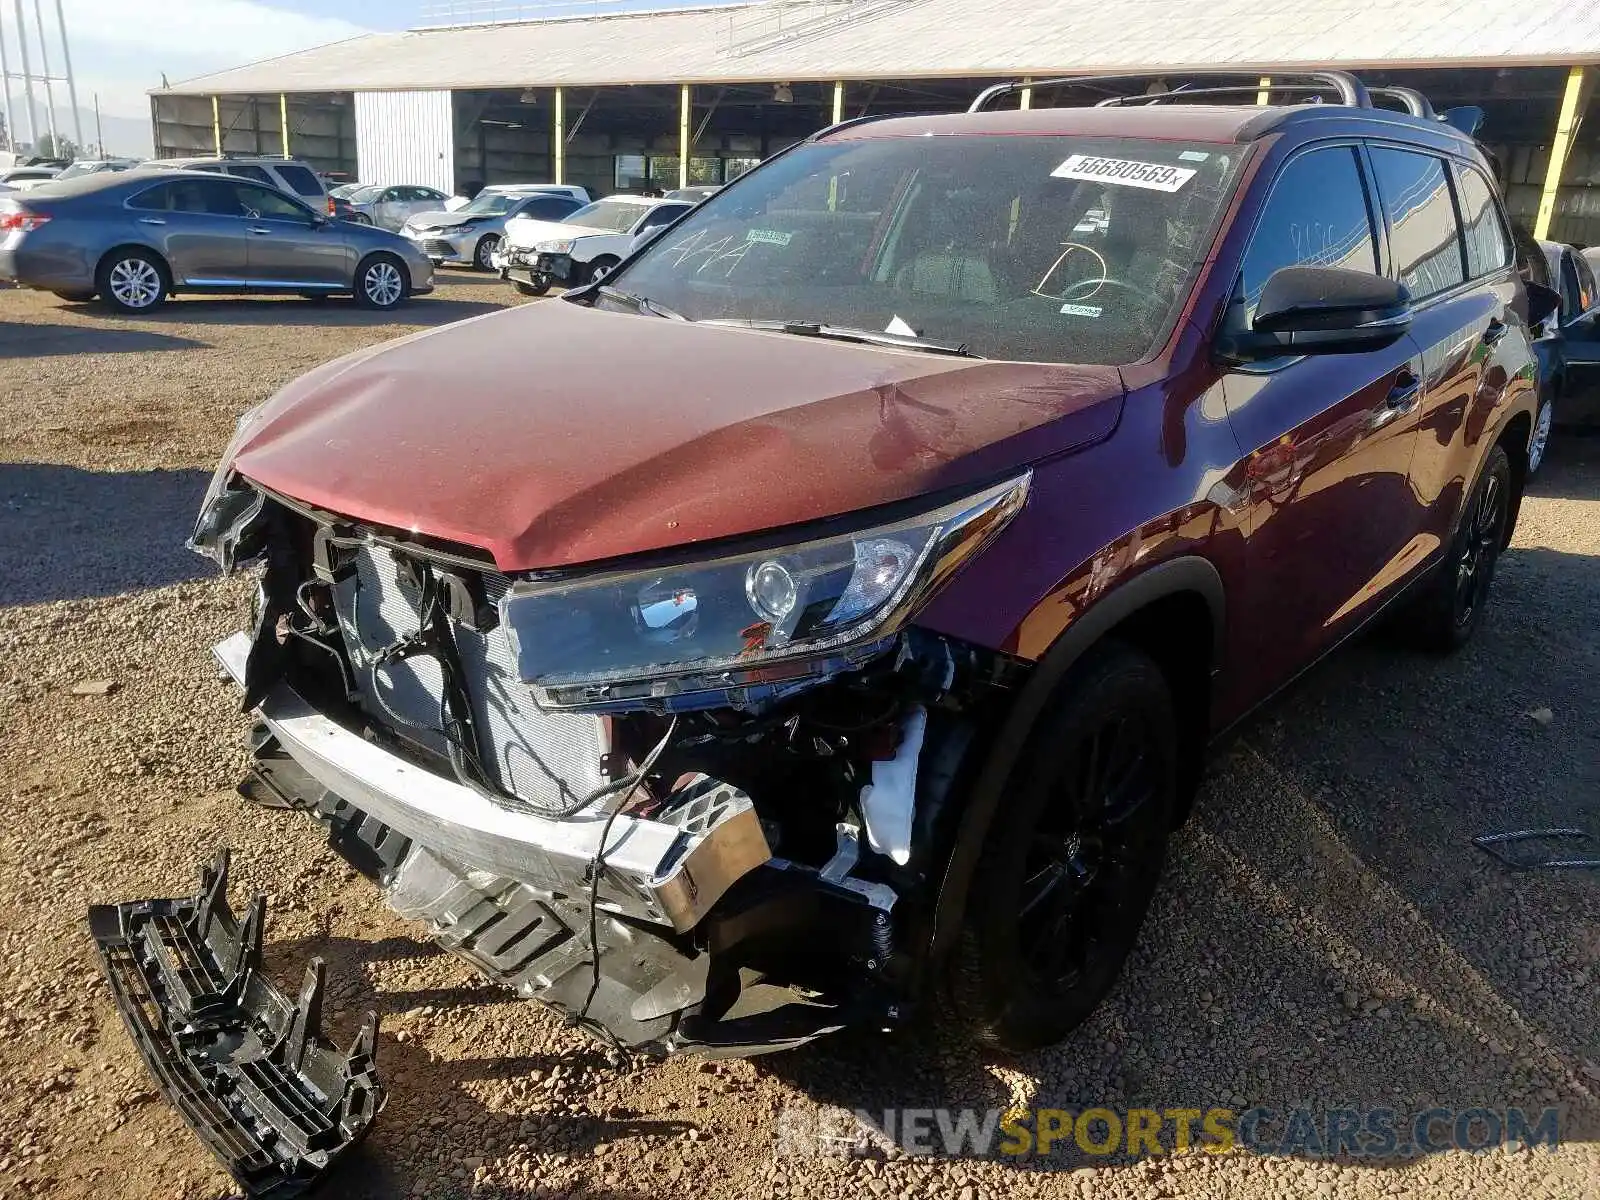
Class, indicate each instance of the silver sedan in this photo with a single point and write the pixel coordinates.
(135, 238)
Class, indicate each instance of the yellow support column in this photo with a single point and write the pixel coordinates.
(1566, 128)
(683, 137)
(838, 101)
(1026, 100)
(283, 120)
(1264, 97)
(216, 125)
(559, 145)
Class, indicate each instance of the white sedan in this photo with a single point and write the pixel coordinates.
(538, 255)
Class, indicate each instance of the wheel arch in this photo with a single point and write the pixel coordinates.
(1513, 439)
(161, 262)
(1175, 611)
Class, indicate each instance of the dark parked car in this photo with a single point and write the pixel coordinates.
(1573, 339)
(851, 643)
(136, 237)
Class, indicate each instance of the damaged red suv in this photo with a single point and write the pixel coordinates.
(850, 647)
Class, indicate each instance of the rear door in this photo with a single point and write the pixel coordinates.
(289, 246)
(1327, 439)
(1472, 340)
(199, 228)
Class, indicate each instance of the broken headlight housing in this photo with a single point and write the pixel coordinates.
(229, 505)
(752, 620)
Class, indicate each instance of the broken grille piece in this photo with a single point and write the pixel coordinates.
(247, 1065)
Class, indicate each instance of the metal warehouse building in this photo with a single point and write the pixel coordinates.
(617, 100)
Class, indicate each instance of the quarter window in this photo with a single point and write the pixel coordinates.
(1316, 216)
(1423, 232)
(299, 179)
(1488, 245)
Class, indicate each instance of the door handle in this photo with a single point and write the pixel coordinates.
(1402, 399)
(152, 220)
(1497, 329)
(259, 231)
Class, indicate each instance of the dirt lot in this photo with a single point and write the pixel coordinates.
(1326, 935)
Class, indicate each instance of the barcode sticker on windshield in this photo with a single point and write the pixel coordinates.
(1125, 172)
(769, 237)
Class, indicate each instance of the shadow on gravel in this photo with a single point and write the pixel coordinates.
(422, 1088)
(1327, 937)
(68, 534)
(40, 341)
(1571, 468)
(278, 311)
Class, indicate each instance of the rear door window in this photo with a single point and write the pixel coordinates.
(1488, 243)
(550, 208)
(249, 171)
(1424, 235)
(301, 180)
(1316, 216)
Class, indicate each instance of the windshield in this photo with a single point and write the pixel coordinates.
(1042, 249)
(614, 216)
(494, 204)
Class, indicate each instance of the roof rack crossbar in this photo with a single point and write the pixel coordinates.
(1351, 91)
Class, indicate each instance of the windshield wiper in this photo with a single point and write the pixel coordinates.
(843, 333)
(641, 303)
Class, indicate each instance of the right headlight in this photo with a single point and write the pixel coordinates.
(759, 617)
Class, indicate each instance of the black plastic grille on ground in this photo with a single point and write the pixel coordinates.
(246, 1065)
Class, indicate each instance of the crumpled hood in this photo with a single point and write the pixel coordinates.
(525, 231)
(439, 219)
(556, 434)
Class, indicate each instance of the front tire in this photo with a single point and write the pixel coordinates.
(132, 281)
(486, 247)
(600, 268)
(531, 289)
(1450, 610)
(381, 283)
(1069, 866)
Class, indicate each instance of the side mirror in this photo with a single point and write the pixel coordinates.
(1543, 303)
(1322, 310)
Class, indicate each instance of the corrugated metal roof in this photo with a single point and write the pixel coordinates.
(928, 38)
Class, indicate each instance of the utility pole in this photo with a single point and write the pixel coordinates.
(99, 134)
(5, 86)
(72, 86)
(27, 81)
(49, 88)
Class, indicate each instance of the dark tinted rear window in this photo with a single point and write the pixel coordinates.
(1423, 232)
(300, 179)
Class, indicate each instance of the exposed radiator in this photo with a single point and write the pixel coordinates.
(550, 760)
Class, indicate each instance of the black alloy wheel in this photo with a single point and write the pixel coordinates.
(1072, 858)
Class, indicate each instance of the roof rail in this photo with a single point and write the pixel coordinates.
(1350, 90)
(1416, 103)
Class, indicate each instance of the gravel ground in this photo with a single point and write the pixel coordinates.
(1326, 935)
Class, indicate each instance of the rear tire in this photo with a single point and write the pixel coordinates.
(381, 283)
(133, 281)
(1451, 608)
(1539, 444)
(1068, 868)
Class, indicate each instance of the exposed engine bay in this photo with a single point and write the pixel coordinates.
(732, 871)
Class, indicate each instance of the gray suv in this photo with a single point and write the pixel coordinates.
(135, 238)
(286, 174)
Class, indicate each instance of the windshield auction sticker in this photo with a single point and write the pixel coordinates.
(1125, 172)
